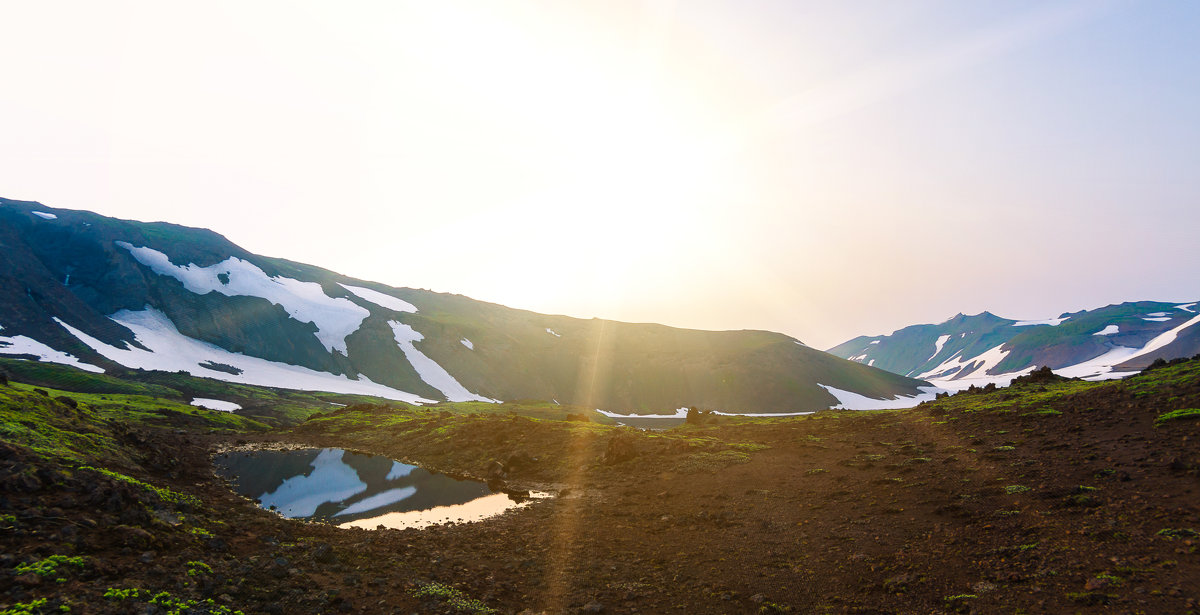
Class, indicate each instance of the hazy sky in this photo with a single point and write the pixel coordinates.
(823, 169)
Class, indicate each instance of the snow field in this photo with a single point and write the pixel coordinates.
(380, 299)
(21, 344)
(429, 371)
(335, 318)
(1053, 322)
(215, 404)
(170, 350)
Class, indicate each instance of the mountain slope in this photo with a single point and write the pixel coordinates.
(1106, 342)
(80, 288)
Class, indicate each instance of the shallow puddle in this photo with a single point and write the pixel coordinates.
(354, 490)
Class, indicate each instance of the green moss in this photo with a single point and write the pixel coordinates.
(55, 566)
(25, 608)
(195, 568)
(1182, 532)
(1178, 415)
(451, 598)
(1013, 489)
(131, 593)
(166, 495)
(1045, 412)
(201, 532)
(711, 462)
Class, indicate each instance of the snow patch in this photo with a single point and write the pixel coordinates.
(938, 345)
(1187, 307)
(1163, 339)
(1101, 367)
(466, 342)
(170, 350)
(1109, 330)
(429, 371)
(682, 414)
(961, 367)
(873, 342)
(979, 380)
(44, 214)
(1053, 322)
(1157, 314)
(215, 404)
(380, 299)
(21, 344)
(551, 332)
(1158, 319)
(849, 400)
(335, 318)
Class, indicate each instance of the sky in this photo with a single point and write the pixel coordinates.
(822, 169)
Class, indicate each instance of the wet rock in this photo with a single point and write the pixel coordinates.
(28, 580)
(495, 471)
(23, 483)
(519, 461)
(135, 537)
(620, 448)
(323, 554)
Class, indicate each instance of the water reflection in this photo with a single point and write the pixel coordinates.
(354, 490)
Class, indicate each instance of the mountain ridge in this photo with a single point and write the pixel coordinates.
(163, 296)
(1106, 342)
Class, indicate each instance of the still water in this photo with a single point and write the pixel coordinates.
(354, 490)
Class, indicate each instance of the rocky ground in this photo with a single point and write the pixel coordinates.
(1048, 497)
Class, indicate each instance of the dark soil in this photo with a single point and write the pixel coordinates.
(991, 506)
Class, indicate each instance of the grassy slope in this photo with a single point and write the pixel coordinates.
(271, 406)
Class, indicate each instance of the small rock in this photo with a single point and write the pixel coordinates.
(897, 583)
(758, 598)
(495, 470)
(29, 580)
(323, 553)
(592, 607)
(1096, 584)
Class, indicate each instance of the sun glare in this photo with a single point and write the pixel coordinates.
(622, 161)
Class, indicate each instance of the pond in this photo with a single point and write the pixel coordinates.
(355, 490)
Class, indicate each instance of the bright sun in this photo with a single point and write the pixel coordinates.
(622, 161)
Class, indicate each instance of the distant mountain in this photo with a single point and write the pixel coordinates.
(82, 289)
(1102, 343)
